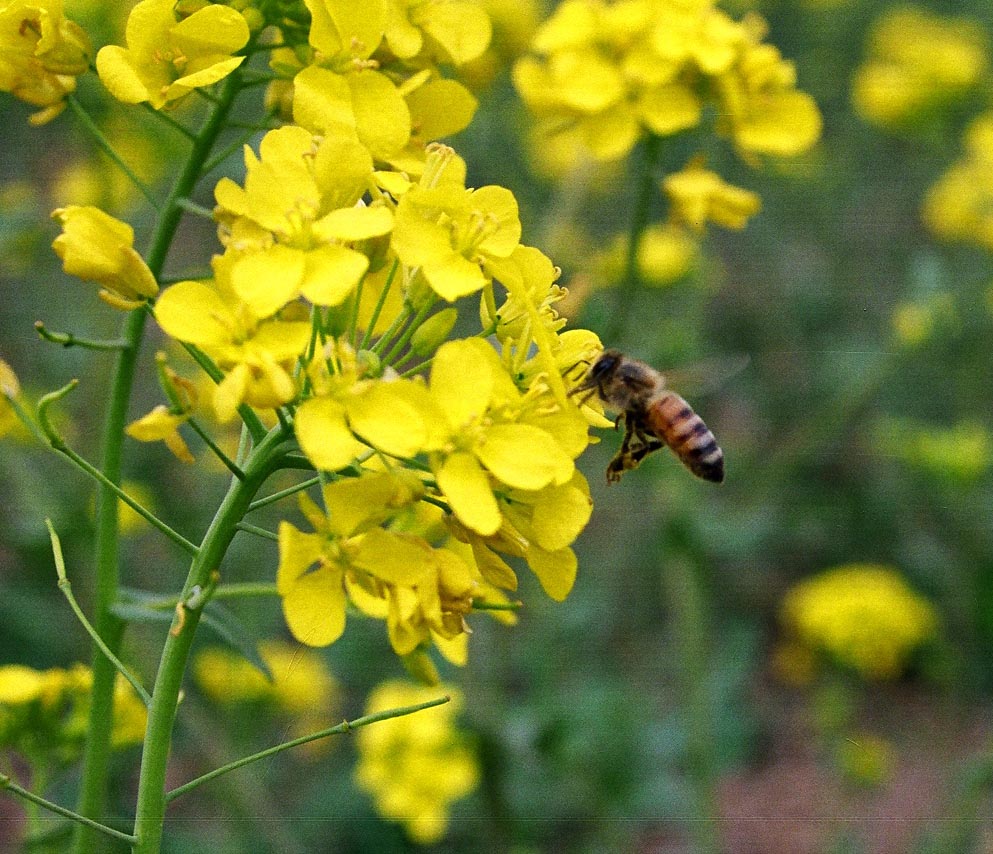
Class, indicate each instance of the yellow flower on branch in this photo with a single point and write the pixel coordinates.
(293, 224)
(166, 58)
(98, 248)
(41, 55)
(698, 196)
(415, 766)
(242, 335)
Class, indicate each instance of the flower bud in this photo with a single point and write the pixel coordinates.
(432, 333)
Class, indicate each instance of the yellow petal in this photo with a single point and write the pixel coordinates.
(385, 418)
(314, 607)
(324, 436)
(524, 456)
(267, 280)
(195, 313)
(332, 272)
(555, 570)
(468, 491)
(462, 380)
(400, 559)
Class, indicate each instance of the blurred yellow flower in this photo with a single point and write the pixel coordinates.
(959, 205)
(41, 54)
(866, 759)
(862, 616)
(916, 62)
(619, 71)
(301, 682)
(43, 714)
(415, 766)
(698, 196)
(957, 452)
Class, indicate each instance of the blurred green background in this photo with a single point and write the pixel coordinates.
(668, 704)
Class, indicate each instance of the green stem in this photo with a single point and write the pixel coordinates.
(343, 727)
(257, 531)
(92, 795)
(31, 797)
(378, 308)
(409, 332)
(66, 587)
(640, 213)
(229, 464)
(150, 813)
(108, 149)
(681, 586)
(67, 339)
(284, 493)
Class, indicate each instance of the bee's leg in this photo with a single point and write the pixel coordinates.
(642, 451)
(622, 459)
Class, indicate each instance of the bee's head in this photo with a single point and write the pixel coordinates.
(605, 364)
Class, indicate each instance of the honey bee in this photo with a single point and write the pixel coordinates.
(653, 416)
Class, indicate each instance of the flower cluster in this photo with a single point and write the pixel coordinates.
(301, 686)
(415, 766)
(349, 253)
(918, 63)
(862, 616)
(959, 206)
(42, 54)
(43, 713)
(609, 73)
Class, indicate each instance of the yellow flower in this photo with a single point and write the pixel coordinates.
(453, 234)
(240, 333)
(45, 712)
(616, 72)
(918, 62)
(167, 59)
(301, 682)
(454, 31)
(698, 196)
(415, 766)
(863, 616)
(162, 425)
(98, 248)
(958, 206)
(347, 546)
(291, 223)
(42, 55)
(9, 389)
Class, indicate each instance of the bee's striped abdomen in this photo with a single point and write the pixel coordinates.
(671, 419)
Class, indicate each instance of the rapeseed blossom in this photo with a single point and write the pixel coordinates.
(958, 205)
(43, 713)
(41, 54)
(917, 63)
(167, 58)
(350, 251)
(619, 71)
(861, 616)
(415, 766)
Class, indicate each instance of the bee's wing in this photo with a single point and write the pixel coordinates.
(706, 377)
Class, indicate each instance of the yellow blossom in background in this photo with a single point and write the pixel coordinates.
(698, 196)
(167, 58)
(916, 62)
(916, 322)
(43, 714)
(861, 616)
(10, 388)
(41, 55)
(616, 72)
(958, 453)
(959, 205)
(302, 686)
(866, 759)
(96, 247)
(417, 765)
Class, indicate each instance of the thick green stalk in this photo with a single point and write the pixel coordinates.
(92, 795)
(627, 291)
(150, 813)
(682, 589)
